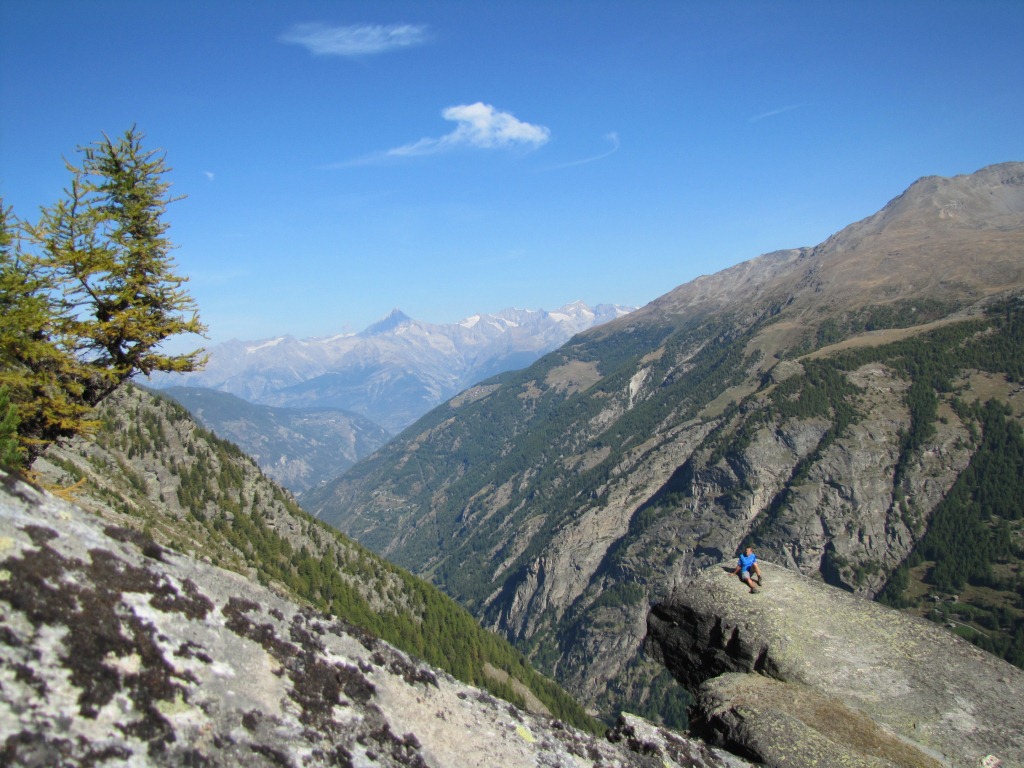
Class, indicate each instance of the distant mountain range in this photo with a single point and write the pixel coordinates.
(394, 371)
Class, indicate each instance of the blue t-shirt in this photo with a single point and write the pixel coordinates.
(747, 560)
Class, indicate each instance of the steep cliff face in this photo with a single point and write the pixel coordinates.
(820, 401)
(803, 674)
(821, 500)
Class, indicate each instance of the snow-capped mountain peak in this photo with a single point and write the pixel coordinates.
(396, 369)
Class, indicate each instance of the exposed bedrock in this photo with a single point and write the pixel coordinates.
(115, 651)
(804, 674)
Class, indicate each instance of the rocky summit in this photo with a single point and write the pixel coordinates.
(120, 652)
(804, 674)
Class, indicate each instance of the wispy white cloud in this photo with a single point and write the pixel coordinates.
(478, 126)
(774, 112)
(481, 126)
(208, 175)
(355, 40)
(613, 140)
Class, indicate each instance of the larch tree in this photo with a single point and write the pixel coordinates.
(42, 381)
(97, 293)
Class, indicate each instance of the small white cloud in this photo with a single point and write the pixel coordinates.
(208, 175)
(479, 125)
(356, 40)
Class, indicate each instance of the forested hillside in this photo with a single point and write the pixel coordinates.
(820, 403)
(153, 472)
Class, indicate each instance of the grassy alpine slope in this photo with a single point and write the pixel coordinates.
(151, 469)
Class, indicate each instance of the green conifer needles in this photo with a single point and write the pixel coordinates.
(89, 293)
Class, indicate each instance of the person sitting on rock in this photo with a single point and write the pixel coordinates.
(748, 566)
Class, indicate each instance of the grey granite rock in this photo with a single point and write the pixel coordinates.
(851, 681)
(119, 652)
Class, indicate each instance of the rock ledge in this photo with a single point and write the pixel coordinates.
(804, 672)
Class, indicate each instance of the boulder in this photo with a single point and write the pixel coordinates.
(803, 674)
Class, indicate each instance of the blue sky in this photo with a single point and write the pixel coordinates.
(341, 159)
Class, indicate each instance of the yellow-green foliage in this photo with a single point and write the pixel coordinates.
(89, 292)
(11, 456)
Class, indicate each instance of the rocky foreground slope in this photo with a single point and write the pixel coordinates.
(120, 652)
(804, 674)
(150, 468)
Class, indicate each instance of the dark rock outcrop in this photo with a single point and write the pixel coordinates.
(805, 674)
(117, 651)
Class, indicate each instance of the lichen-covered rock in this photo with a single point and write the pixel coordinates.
(119, 652)
(852, 679)
(641, 736)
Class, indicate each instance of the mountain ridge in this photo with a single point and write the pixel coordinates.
(556, 501)
(934, 202)
(393, 320)
(296, 447)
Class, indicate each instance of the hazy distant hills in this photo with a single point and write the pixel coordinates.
(854, 409)
(295, 447)
(394, 371)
